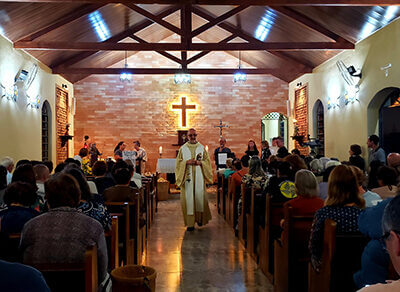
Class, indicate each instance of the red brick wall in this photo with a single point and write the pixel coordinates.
(61, 120)
(109, 111)
(301, 115)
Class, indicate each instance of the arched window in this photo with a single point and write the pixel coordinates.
(46, 122)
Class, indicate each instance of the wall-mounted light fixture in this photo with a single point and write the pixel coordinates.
(386, 69)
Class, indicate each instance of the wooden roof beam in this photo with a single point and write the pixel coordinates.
(118, 37)
(308, 22)
(165, 54)
(232, 2)
(204, 53)
(219, 19)
(70, 17)
(270, 46)
(154, 18)
(163, 71)
(243, 35)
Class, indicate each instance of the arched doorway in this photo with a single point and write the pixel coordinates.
(319, 125)
(383, 118)
(46, 123)
(273, 125)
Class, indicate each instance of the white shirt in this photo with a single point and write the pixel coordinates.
(9, 177)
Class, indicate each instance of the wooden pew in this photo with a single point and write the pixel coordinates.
(129, 233)
(230, 201)
(219, 195)
(152, 196)
(242, 223)
(273, 216)
(251, 223)
(291, 255)
(62, 277)
(112, 244)
(341, 258)
(9, 247)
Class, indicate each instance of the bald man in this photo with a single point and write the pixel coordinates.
(393, 160)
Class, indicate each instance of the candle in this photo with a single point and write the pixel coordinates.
(207, 148)
(160, 150)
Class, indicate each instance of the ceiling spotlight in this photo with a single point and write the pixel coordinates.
(239, 76)
(125, 76)
(182, 78)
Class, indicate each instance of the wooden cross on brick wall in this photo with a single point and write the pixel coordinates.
(183, 107)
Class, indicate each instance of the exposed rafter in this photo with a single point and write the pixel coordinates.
(77, 13)
(155, 71)
(118, 37)
(243, 35)
(273, 46)
(219, 19)
(165, 54)
(154, 18)
(308, 22)
(234, 2)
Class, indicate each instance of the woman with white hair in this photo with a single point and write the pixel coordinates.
(307, 201)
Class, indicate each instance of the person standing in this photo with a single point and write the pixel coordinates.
(221, 149)
(86, 143)
(118, 150)
(193, 172)
(376, 153)
(141, 157)
(265, 154)
(94, 154)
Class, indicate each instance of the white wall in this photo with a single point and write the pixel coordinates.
(348, 124)
(20, 125)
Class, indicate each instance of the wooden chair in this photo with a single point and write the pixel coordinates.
(129, 233)
(62, 277)
(291, 255)
(273, 216)
(251, 223)
(112, 244)
(341, 258)
(9, 247)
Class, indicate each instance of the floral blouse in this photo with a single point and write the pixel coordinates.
(97, 211)
(257, 182)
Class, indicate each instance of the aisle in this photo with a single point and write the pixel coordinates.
(207, 259)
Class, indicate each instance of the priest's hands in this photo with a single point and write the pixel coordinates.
(193, 162)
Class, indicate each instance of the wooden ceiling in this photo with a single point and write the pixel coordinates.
(298, 35)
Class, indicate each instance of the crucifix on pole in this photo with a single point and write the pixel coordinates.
(221, 126)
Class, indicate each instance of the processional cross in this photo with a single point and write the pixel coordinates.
(183, 106)
(221, 126)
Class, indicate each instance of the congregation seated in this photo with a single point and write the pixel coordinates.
(373, 174)
(8, 163)
(355, 157)
(229, 168)
(374, 260)
(393, 160)
(102, 181)
(391, 239)
(387, 181)
(19, 277)
(63, 234)
(3, 183)
(256, 177)
(60, 167)
(307, 201)
(323, 186)
(371, 198)
(317, 168)
(19, 197)
(239, 173)
(87, 204)
(280, 187)
(122, 191)
(42, 174)
(343, 205)
(136, 180)
(25, 173)
(296, 163)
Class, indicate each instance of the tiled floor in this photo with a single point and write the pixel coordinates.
(207, 259)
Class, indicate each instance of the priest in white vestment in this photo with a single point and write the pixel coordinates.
(193, 172)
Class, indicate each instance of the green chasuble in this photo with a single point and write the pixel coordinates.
(194, 202)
